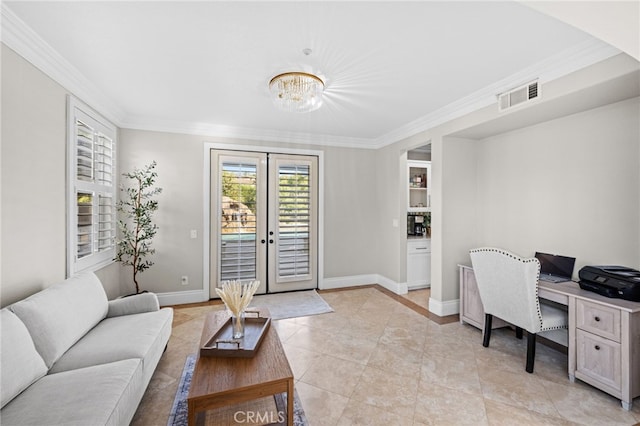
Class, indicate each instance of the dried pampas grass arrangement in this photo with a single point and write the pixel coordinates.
(237, 296)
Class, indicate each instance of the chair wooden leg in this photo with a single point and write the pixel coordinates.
(487, 330)
(519, 333)
(531, 351)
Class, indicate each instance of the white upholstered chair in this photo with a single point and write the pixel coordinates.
(508, 287)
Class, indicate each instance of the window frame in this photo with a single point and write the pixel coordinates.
(98, 257)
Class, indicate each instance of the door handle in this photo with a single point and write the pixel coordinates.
(270, 241)
(263, 241)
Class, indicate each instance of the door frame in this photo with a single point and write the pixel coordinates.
(206, 234)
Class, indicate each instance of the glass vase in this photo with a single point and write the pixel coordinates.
(237, 322)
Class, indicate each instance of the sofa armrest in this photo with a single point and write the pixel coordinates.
(136, 304)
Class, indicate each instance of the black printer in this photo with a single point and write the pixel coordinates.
(611, 281)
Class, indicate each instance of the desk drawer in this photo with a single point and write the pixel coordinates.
(599, 359)
(597, 319)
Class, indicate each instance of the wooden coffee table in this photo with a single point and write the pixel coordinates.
(219, 382)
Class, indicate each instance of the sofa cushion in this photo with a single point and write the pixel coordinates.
(21, 363)
(61, 314)
(105, 394)
(118, 338)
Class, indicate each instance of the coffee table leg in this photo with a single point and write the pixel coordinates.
(290, 402)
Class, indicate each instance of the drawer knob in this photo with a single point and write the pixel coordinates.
(597, 347)
(597, 319)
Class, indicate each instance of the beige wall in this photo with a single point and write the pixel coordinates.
(34, 207)
(604, 83)
(33, 179)
(363, 189)
(350, 206)
(584, 168)
(459, 214)
(33, 235)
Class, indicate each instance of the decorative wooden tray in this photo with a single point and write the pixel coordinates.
(222, 343)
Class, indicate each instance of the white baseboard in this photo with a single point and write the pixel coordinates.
(397, 288)
(181, 297)
(443, 309)
(196, 296)
(350, 281)
(358, 280)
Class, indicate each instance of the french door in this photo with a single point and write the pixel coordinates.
(264, 220)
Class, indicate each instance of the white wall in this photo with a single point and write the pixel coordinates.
(584, 168)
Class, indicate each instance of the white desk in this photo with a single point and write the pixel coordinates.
(603, 340)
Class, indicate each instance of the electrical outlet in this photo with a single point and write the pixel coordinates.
(185, 280)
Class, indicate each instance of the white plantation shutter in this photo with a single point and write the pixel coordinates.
(91, 216)
(106, 222)
(238, 248)
(294, 197)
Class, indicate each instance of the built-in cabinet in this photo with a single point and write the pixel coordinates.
(418, 263)
(419, 186)
(418, 224)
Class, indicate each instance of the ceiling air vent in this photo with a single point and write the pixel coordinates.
(518, 96)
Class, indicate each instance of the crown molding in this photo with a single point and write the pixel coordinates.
(18, 36)
(230, 132)
(28, 44)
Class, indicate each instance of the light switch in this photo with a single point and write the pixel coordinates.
(194, 233)
(395, 223)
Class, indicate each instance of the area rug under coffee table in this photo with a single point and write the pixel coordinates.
(263, 411)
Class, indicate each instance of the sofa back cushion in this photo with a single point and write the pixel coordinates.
(20, 363)
(61, 314)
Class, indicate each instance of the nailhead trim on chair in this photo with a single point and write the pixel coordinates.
(520, 259)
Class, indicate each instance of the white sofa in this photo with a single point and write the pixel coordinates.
(70, 357)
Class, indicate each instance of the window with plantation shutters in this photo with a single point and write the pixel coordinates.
(91, 189)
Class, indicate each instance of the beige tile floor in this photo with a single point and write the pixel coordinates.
(375, 361)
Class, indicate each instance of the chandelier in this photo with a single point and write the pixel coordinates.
(296, 91)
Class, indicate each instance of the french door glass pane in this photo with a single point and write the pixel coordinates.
(293, 220)
(238, 221)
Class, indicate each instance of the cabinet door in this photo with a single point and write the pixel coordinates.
(418, 263)
(599, 359)
(472, 305)
(471, 309)
(419, 183)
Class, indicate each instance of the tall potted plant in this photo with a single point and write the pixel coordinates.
(137, 230)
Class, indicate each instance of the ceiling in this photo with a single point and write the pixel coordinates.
(389, 68)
